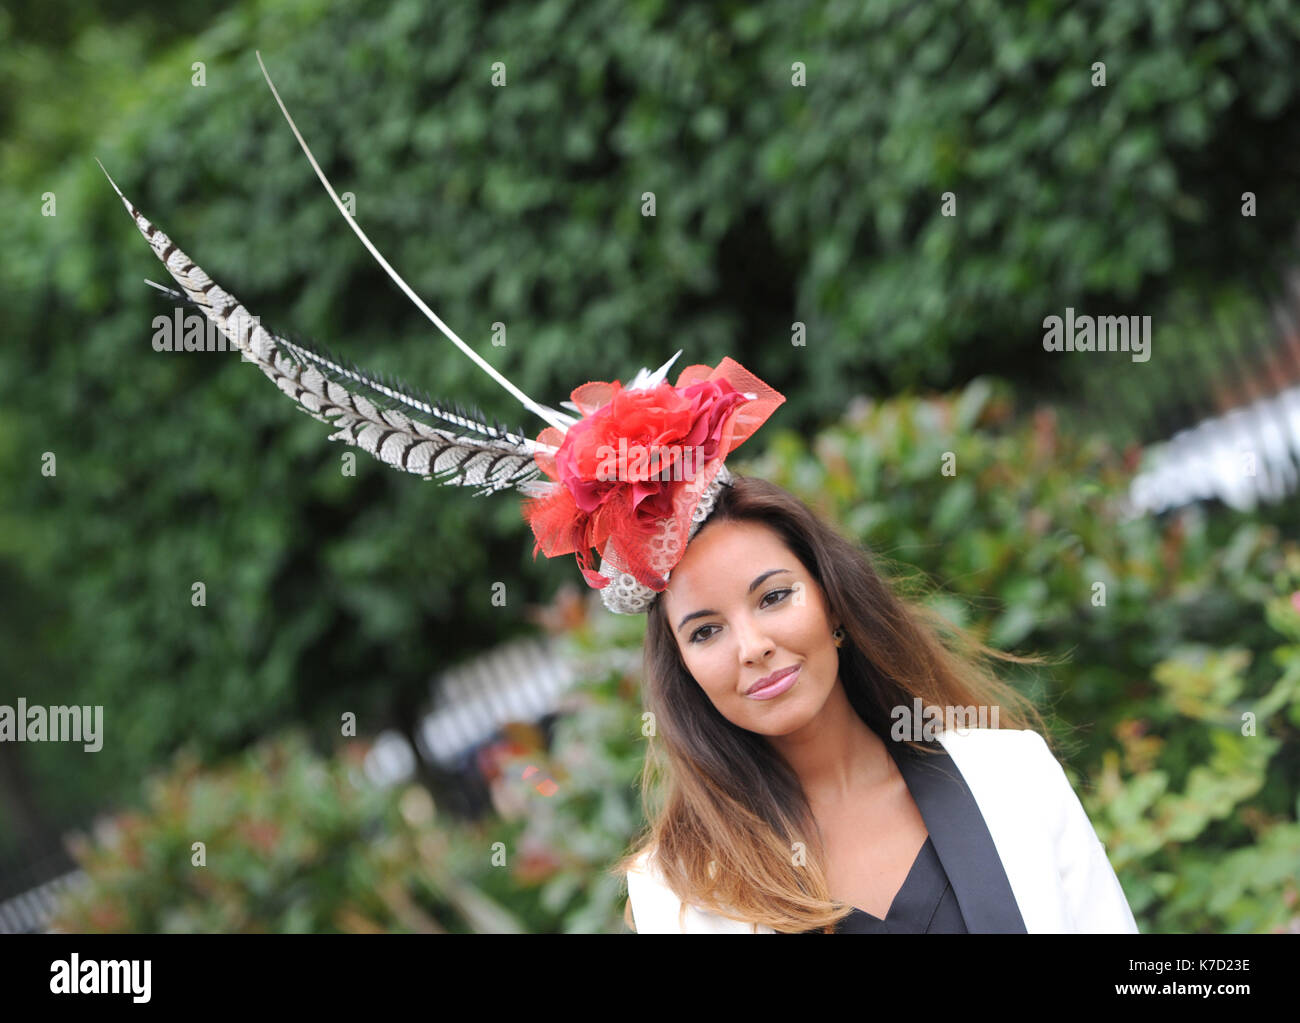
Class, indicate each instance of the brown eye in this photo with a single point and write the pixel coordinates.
(695, 636)
(784, 593)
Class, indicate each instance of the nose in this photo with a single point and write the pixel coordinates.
(753, 644)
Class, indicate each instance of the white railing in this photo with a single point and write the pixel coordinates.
(30, 912)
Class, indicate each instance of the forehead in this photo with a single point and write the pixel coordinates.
(723, 559)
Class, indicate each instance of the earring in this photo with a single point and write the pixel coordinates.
(838, 636)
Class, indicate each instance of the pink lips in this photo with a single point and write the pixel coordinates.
(774, 685)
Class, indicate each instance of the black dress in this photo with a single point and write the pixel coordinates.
(926, 903)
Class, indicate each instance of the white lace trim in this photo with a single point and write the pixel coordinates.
(625, 595)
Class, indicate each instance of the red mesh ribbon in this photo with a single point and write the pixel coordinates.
(630, 473)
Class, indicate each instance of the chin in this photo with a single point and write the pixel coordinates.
(786, 720)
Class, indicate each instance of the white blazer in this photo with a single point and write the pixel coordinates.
(1050, 857)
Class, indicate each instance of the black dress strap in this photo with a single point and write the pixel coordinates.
(961, 839)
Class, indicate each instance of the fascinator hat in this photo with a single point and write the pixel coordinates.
(634, 474)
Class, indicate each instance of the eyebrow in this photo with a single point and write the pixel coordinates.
(752, 587)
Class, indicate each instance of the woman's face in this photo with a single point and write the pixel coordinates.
(741, 607)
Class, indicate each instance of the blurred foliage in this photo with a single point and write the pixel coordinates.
(292, 843)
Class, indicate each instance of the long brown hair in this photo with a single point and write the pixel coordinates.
(732, 808)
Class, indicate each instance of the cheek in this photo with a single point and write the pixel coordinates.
(712, 667)
(704, 661)
(807, 629)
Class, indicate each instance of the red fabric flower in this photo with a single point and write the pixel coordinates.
(644, 438)
(635, 465)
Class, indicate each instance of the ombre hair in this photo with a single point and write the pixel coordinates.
(730, 808)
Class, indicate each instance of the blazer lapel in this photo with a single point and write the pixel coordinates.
(961, 838)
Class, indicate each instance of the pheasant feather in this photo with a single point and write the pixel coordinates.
(380, 417)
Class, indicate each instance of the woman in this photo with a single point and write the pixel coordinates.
(793, 808)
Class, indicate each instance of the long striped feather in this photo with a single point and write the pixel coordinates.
(382, 390)
(363, 409)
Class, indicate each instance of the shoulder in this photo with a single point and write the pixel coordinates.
(1025, 793)
(1018, 744)
(656, 909)
(1010, 764)
(995, 747)
(990, 738)
(1014, 772)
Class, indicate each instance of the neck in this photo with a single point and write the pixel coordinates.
(836, 757)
